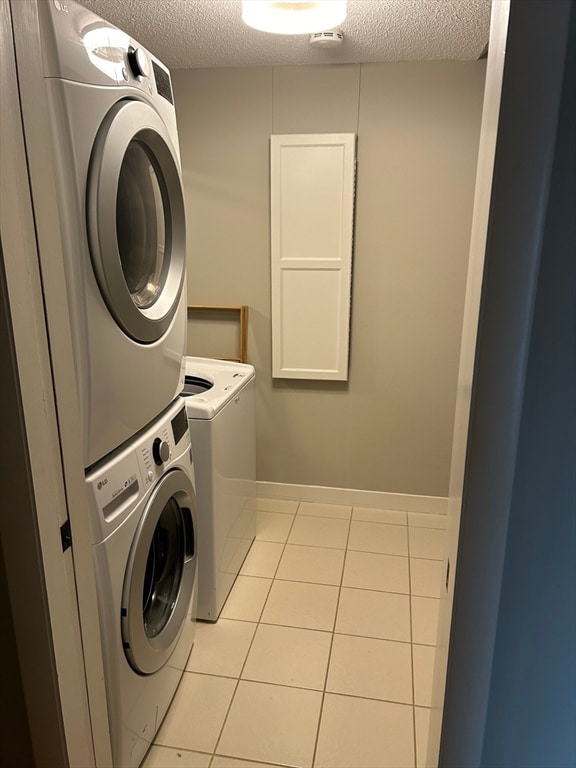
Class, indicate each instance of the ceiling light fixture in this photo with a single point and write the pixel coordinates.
(298, 17)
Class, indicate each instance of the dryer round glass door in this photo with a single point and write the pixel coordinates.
(160, 576)
(136, 221)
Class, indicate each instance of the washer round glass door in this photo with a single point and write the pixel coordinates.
(160, 575)
(136, 220)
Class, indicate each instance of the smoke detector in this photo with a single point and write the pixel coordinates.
(331, 39)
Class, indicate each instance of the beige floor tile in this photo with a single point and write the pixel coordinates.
(278, 505)
(190, 726)
(272, 724)
(427, 543)
(221, 648)
(426, 577)
(262, 559)
(294, 604)
(367, 613)
(235, 762)
(357, 733)
(273, 526)
(165, 757)
(246, 599)
(319, 565)
(368, 515)
(378, 537)
(366, 570)
(319, 532)
(288, 656)
(422, 715)
(325, 510)
(424, 619)
(377, 669)
(426, 520)
(423, 656)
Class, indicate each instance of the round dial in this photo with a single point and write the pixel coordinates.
(138, 62)
(160, 451)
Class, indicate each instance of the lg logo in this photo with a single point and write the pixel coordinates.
(60, 6)
(102, 483)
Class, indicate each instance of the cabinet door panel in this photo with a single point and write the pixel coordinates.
(312, 214)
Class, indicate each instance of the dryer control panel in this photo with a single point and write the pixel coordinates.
(80, 46)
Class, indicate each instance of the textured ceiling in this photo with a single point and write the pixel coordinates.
(210, 33)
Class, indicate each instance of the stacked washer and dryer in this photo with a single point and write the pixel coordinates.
(122, 220)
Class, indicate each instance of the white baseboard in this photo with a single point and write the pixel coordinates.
(373, 499)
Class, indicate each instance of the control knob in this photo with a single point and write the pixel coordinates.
(160, 451)
(138, 62)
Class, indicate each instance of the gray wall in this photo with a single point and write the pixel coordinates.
(389, 428)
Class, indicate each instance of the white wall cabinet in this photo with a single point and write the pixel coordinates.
(312, 217)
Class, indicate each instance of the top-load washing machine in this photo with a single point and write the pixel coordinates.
(121, 210)
(145, 539)
(220, 406)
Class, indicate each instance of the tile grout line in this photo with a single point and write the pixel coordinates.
(360, 520)
(343, 634)
(412, 654)
(293, 687)
(299, 688)
(321, 712)
(284, 545)
(239, 678)
(350, 520)
(347, 549)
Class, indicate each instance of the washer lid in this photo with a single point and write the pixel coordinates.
(225, 380)
(195, 385)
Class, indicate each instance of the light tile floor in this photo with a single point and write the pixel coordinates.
(324, 651)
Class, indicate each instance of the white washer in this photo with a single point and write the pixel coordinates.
(144, 521)
(220, 406)
(121, 210)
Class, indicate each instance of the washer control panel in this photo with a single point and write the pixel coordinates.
(155, 453)
(160, 451)
(124, 479)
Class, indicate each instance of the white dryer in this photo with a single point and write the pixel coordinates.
(220, 404)
(144, 521)
(122, 220)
